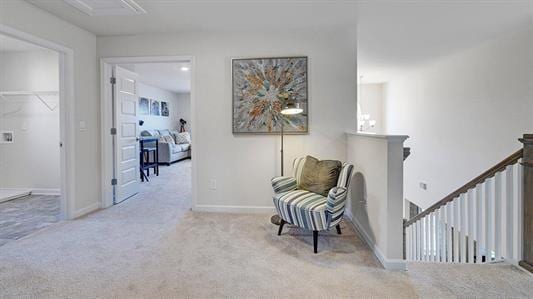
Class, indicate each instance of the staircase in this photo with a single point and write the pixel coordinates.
(481, 222)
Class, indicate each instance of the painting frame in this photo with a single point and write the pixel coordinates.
(165, 111)
(306, 103)
(152, 107)
(144, 106)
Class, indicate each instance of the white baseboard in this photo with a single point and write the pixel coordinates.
(88, 209)
(42, 191)
(389, 264)
(234, 209)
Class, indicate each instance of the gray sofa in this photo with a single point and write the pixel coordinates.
(169, 152)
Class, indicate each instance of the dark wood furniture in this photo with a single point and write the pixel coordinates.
(148, 148)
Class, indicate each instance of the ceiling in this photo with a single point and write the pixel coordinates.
(392, 34)
(11, 44)
(168, 76)
(200, 15)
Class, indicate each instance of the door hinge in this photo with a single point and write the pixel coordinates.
(113, 131)
(113, 80)
(113, 182)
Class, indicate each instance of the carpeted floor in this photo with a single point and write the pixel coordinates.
(152, 246)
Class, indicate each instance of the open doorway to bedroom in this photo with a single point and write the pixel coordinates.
(30, 138)
(151, 133)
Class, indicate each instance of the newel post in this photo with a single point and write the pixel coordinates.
(527, 162)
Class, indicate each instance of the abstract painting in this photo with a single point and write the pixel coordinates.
(154, 108)
(261, 87)
(164, 109)
(144, 106)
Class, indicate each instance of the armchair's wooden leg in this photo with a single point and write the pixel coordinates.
(338, 229)
(315, 240)
(281, 223)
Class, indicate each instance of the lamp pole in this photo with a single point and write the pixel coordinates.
(282, 125)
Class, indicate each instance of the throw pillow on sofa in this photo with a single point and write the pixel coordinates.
(167, 139)
(319, 176)
(183, 138)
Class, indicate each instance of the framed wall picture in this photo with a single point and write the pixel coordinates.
(164, 109)
(144, 106)
(260, 88)
(154, 108)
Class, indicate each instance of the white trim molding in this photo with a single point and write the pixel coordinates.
(235, 209)
(86, 210)
(67, 121)
(45, 191)
(106, 121)
(389, 264)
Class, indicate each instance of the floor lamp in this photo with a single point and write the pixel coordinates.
(290, 108)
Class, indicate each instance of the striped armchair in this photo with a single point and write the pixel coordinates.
(309, 210)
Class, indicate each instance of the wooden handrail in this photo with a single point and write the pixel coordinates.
(512, 159)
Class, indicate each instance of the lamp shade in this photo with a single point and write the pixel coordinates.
(291, 108)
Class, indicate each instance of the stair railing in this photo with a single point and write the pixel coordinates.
(479, 222)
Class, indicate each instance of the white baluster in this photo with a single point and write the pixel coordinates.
(510, 206)
(418, 240)
(519, 211)
(456, 229)
(449, 235)
(489, 218)
(413, 242)
(438, 234)
(471, 202)
(408, 243)
(424, 239)
(498, 189)
(431, 247)
(463, 228)
(480, 219)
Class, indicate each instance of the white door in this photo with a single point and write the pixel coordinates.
(126, 149)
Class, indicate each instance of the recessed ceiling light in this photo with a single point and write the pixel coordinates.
(184, 68)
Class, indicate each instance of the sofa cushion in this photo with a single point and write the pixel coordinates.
(319, 176)
(183, 138)
(164, 132)
(167, 139)
(302, 208)
(184, 147)
(152, 133)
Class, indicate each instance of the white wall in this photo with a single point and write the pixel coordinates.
(370, 101)
(32, 161)
(463, 113)
(243, 165)
(184, 109)
(376, 194)
(25, 17)
(152, 122)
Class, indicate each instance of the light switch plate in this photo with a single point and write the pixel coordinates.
(213, 184)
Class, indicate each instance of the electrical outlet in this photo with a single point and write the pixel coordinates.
(213, 184)
(423, 186)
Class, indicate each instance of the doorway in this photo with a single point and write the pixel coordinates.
(35, 81)
(147, 125)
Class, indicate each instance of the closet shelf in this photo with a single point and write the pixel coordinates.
(38, 94)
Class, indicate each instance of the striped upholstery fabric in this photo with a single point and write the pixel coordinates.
(297, 167)
(310, 210)
(302, 208)
(283, 184)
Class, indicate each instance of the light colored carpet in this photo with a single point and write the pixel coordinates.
(152, 246)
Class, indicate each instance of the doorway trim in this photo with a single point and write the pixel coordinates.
(67, 123)
(106, 163)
